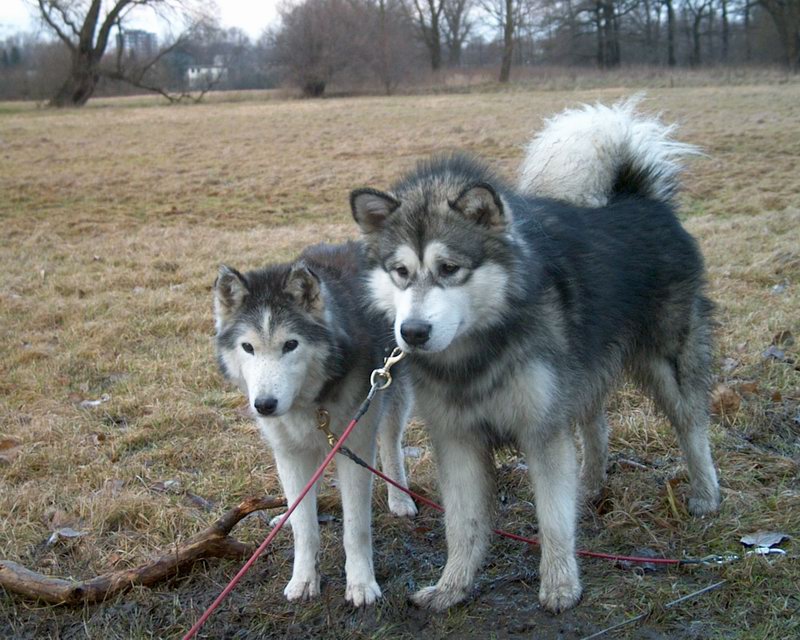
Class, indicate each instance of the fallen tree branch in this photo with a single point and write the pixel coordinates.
(212, 542)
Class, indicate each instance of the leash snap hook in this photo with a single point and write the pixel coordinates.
(323, 424)
(381, 378)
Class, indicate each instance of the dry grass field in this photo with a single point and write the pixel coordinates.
(114, 220)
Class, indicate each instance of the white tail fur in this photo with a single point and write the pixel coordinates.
(586, 155)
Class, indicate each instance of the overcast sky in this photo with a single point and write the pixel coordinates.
(250, 15)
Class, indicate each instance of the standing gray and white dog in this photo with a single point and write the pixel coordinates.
(520, 315)
(296, 338)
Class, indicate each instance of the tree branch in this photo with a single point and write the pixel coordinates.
(45, 11)
(109, 21)
(212, 542)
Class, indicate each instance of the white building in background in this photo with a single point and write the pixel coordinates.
(205, 76)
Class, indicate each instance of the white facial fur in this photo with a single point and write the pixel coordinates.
(453, 308)
(268, 371)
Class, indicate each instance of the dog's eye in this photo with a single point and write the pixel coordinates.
(290, 345)
(401, 271)
(448, 269)
(248, 348)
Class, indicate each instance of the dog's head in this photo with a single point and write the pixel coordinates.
(271, 335)
(438, 256)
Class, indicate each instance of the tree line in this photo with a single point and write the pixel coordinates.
(382, 43)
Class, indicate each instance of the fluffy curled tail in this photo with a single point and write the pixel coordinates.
(588, 155)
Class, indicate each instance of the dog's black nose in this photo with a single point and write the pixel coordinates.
(266, 405)
(415, 332)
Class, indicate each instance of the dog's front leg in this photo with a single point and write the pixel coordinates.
(295, 468)
(356, 488)
(554, 473)
(466, 483)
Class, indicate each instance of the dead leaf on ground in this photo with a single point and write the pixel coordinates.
(10, 448)
(724, 400)
(773, 353)
(764, 539)
(776, 396)
(65, 533)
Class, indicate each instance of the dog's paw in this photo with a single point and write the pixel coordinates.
(438, 599)
(703, 506)
(300, 589)
(402, 505)
(559, 597)
(362, 594)
(591, 486)
(274, 522)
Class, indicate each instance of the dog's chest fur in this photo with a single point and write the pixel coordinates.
(514, 408)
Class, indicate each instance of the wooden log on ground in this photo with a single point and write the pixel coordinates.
(212, 542)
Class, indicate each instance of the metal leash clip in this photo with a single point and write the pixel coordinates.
(381, 378)
(717, 559)
(324, 425)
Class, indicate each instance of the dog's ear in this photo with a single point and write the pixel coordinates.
(305, 287)
(481, 204)
(372, 208)
(230, 290)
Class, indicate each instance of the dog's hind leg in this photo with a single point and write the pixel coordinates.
(553, 467)
(390, 441)
(465, 466)
(680, 386)
(594, 438)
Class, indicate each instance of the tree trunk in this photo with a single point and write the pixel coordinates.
(786, 16)
(670, 33)
(435, 40)
(616, 55)
(508, 42)
(698, 19)
(436, 54)
(79, 85)
(725, 31)
(454, 54)
(601, 49)
(748, 52)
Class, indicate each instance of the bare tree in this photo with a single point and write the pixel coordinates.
(427, 16)
(387, 47)
(670, 5)
(786, 16)
(317, 40)
(696, 11)
(506, 16)
(85, 27)
(458, 25)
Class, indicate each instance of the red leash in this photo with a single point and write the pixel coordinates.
(381, 379)
(506, 534)
(224, 594)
